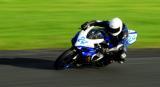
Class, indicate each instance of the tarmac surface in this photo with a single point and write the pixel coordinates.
(34, 68)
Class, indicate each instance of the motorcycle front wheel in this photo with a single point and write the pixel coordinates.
(66, 60)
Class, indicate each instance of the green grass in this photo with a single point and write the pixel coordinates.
(38, 24)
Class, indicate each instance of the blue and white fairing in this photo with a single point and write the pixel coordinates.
(87, 51)
(86, 45)
(83, 41)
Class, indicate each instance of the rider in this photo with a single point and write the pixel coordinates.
(117, 32)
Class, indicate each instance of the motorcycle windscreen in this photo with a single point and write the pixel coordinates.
(132, 37)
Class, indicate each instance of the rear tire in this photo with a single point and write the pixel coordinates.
(65, 60)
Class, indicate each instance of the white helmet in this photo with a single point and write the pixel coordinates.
(115, 26)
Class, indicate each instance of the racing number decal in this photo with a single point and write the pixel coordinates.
(82, 40)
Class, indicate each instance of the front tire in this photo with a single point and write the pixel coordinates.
(65, 60)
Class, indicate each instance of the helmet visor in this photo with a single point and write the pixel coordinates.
(114, 30)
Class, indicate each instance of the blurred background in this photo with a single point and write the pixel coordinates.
(39, 24)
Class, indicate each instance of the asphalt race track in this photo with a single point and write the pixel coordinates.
(33, 68)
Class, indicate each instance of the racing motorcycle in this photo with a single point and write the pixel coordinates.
(86, 49)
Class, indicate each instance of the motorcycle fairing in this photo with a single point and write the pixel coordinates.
(82, 39)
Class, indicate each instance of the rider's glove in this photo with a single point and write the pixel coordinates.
(86, 25)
